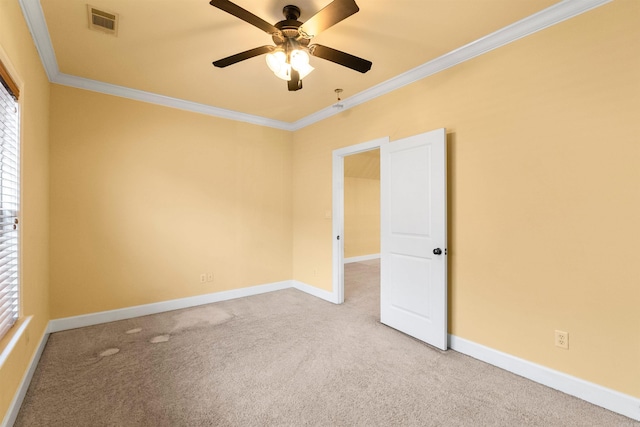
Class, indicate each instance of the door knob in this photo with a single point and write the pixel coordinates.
(437, 251)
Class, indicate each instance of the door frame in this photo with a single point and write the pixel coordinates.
(338, 210)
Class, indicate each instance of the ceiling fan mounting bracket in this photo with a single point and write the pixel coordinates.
(291, 12)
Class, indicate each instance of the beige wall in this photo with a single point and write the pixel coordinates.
(362, 204)
(145, 198)
(19, 54)
(544, 197)
(361, 216)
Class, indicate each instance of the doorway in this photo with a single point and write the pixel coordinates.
(339, 211)
(362, 231)
(362, 206)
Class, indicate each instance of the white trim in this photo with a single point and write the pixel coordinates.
(361, 148)
(337, 226)
(34, 17)
(316, 292)
(167, 101)
(338, 210)
(63, 324)
(361, 258)
(14, 340)
(545, 18)
(16, 403)
(612, 400)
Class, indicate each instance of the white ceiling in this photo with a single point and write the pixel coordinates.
(164, 49)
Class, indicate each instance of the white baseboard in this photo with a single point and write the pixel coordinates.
(361, 258)
(316, 292)
(63, 324)
(612, 400)
(16, 403)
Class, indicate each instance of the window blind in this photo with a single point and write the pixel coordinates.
(9, 203)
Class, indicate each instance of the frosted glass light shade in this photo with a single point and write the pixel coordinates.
(299, 58)
(275, 60)
(284, 72)
(304, 70)
(300, 63)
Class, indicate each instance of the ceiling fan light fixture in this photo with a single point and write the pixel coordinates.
(289, 58)
(299, 61)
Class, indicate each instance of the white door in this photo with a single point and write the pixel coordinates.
(413, 288)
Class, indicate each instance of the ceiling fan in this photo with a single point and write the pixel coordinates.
(289, 58)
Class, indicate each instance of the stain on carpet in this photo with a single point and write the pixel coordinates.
(159, 339)
(109, 352)
(200, 317)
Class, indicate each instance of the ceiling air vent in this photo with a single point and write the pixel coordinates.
(100, 20)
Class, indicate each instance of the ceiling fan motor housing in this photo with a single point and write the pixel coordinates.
(289, 27)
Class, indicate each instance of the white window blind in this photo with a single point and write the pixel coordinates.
(9, 204)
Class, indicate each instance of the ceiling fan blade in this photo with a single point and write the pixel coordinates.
(333, 13)
(245, 15)
(230, 60)
(341, 58)
(295, 83)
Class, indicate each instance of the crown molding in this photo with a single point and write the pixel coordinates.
(550, 16)
(545, 18)
(34, 16)
(167, 101)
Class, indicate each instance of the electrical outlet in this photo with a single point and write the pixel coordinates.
(562, 339)
(203, 278)
(209, 277)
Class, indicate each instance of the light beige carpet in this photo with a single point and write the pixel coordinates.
(282, 359)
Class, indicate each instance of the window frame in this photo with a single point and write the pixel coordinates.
(10, 233)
